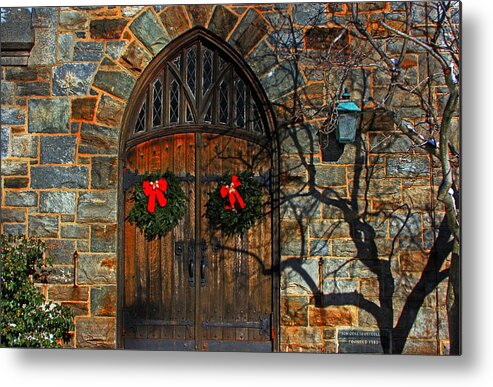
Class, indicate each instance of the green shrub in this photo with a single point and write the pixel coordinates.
(27, 319)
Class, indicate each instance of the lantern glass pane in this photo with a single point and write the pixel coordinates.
(346, 128)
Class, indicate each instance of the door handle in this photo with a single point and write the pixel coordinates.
(203, 263)
(191, 263)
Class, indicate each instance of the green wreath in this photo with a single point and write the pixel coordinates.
(159, 204)
(236, 204)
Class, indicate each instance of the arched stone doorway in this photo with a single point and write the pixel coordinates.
(198, 111)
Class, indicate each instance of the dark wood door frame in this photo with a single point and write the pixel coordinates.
(272, 143)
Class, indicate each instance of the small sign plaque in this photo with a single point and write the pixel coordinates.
(360, 341)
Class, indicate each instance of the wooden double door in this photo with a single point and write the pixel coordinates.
(196, 288)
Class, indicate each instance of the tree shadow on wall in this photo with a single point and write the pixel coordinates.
(352, 235)
(347, 237)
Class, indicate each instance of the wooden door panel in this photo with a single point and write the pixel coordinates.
(239, 286)
(159, 301)
(232, 309)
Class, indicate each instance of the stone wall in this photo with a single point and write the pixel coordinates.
(356, 232)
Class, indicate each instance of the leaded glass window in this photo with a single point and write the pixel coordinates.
(157, 103)
(199, 85)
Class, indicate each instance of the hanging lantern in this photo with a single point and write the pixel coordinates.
(347, 122)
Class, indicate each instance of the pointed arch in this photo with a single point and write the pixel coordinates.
(181, 91)
(198, 82)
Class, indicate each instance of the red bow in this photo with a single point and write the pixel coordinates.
(155, 189)
(232, 193)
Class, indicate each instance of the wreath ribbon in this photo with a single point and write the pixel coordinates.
(155, 190)
(232, 194)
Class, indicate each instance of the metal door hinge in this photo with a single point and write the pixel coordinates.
(130, 178)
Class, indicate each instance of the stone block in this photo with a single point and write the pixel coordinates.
(262, 59)
(135, 57)
(96, 139)
(332, 212)
(96, 269)
(96, 332)
(44, 50)
(300, 276)
(329, 176)
(57, 202)
(59, 177)
(77, 308)
(60, 251)
(83, 108)
(115, 48)
(408, 166)
(149, 31)
(57, 149)
(299, 206)
(33, 89)
(109, 111)
(88, 51)
(333, 316)
(13, 215)
(344, 248)
(21, 73)
(13, 229)
(103, 301)
(96, 207)
(340, 286)
(65, 48)
(248, 32)
(333, 268)
(336, 39)
(61, 275)
(24, 146)
(419, 198)
(199, 14)
(73, 20)
(175, 20)
(14, 168)
(104, 172)
(21, 199)
(319, 247)
(302, 335)
(299, 139)
(4, 142)
(384, 189)
(68, 293)
(282, 80)
(82, 246)
(12, 116)
(294, 311)
(294, 170)
(329, 229)
(107, 28)
(309, 14)
(43, 226)
(15, 182)
(294, 246)
(424, 324)
(389, 143)
(73, 78)
(367, 268)
(222, 21)
(413, 261)
(8, 93)
(420, 347)
(405, 225)
(103, 238)
(49, 115)
(117, 83)
(74, 231)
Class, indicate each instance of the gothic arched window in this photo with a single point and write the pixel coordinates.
(199, 86)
